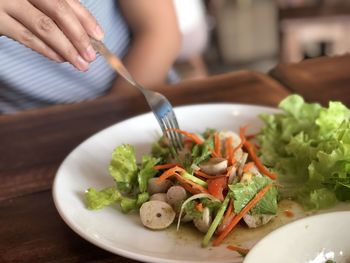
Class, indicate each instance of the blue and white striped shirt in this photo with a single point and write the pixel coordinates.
(29, 80)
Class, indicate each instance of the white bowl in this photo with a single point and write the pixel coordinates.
(314, 239)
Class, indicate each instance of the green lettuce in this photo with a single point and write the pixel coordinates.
(309, 147)
(123, 167)
(131, 181)
(146, 172)
(202, 152)
(95, 199)
(243, 192)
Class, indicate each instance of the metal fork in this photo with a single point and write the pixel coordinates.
(160, 106)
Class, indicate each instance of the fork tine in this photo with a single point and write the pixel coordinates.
(173, 124)
(170, 133)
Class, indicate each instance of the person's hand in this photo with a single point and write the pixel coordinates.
(58, 29)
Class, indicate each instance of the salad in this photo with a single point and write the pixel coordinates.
(222, 178)
(215, 182)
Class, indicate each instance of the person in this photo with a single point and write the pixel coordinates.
(145, 35)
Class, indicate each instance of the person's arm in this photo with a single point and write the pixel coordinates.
(155, 41)
(57, 29)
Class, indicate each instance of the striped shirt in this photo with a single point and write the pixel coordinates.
(29, 80)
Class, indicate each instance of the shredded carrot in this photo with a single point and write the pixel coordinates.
(251, 151)
(196, 187)
(165, 166)
(213, 153)
(250, 136)
(288, 213)
(229, 171)
(189, 135)
(189, 189)
(199, 207)
(248, 166)
(240, 250)
(229, 209)
(229, 149)
(217, 145)
(228, 216)
(239, 216)
(207, 176)
(168, 173)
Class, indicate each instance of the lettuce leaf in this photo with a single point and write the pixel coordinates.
(242, 193)
(95, 199)
(309, 147)
(123, 167)
(146, 172)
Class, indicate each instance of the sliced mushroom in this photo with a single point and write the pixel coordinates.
(153, 187)
(176, 195)
(203, 223)
(214, 166)
(254, 221)
(156, 214)
(159, 197)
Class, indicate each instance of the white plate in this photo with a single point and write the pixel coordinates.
(310, 240)
(123, 234)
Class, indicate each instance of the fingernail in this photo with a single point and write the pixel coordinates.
(89, 53)
(99, 34)
(81, 64)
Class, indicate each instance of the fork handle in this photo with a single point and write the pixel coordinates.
(114, 61)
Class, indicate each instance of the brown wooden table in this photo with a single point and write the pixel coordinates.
(318, 80)
(34, 143)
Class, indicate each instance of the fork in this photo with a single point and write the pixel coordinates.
(159, 104)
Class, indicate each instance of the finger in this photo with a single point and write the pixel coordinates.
(63, 15)
(16, 31)
(46, 29)
(87, 20)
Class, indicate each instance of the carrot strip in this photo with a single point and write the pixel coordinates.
(288, 213)
(248, 166)
(165, 166)
(168, 173)
(240, 250)
(217, 145)
(239, 216)
(189, 135)
(189, 189)
(228, 216)
(250, 136)
(195, 186)
(213, 153)
(251, 151)
(207, 176)
(229, 150)
(199, 207)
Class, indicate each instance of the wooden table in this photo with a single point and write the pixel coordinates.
(34, 143)
(318, 80)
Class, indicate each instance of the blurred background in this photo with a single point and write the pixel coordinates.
(226, 35)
